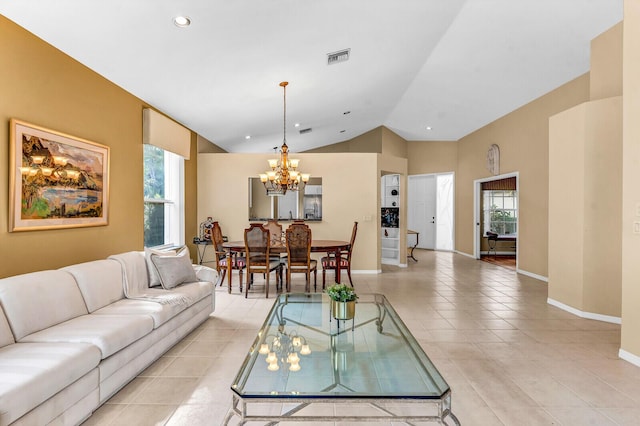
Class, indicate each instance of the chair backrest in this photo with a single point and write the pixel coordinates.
(217, 237)
(298, 244)
(256, 244)
(275, 230)
(353, 240)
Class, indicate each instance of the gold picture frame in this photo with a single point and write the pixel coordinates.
(56, 180)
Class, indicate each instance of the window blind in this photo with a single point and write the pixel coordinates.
(507, 184)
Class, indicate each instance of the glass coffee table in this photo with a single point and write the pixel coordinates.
(302, 357)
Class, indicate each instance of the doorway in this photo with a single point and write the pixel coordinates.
(430, 210)
(496, 212)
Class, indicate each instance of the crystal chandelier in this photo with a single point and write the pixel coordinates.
(283, 349)
(284, 174)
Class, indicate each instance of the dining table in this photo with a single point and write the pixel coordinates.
(331, 247)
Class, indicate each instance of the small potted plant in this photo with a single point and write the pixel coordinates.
(343, 301)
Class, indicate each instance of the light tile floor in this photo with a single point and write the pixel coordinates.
(509, 357)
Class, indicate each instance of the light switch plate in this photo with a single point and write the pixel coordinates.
(636, 227)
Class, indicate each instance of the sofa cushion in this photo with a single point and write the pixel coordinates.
(194, 291)
(38, 300)
(31, 373)
(160, 313)
(173, 270)
(6, 337)
(109, 333)
(100, 282)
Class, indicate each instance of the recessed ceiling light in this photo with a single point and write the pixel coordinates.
(429, 127)
(182, 21)
(297, 125)
(247, 137)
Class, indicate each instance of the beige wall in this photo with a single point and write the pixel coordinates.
(523, 137)
(370, 141)
(205, 145)
(631, 180)
(432, 157)
(350, 184)
(566, 219)
(585, 149)
(45, 87)
(606, 64)
(191, 223)
(392, 144)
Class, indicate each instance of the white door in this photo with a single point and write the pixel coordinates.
(430, 210)
(421, 214)
(444, 211)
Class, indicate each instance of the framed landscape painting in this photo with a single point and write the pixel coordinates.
(56, 180)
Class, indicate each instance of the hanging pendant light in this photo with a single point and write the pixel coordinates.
(284, 174)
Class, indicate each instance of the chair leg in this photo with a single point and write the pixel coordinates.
(349, 274)
(315, 280)
(324, 272)
(223, 273)
(266, 284)
(246, 287)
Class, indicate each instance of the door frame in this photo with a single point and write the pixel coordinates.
(477, 190)
(453, 205)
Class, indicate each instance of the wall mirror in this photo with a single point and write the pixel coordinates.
(303, 204)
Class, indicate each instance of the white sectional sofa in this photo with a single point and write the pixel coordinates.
(70, 338)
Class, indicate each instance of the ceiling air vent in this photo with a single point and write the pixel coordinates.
(307, 130)
(339, 56)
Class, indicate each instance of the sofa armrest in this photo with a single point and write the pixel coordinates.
(204, 273)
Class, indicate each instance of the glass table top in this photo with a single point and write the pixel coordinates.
(302, 351)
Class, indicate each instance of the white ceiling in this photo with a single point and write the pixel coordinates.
(454, 65)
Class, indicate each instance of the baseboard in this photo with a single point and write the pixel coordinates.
(582, 314)
(532, 275)
(629, 357)
(464, 254)
(499, 253)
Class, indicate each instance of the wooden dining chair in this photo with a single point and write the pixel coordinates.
(275, 230)
(257, 244)
(298, 238)
(344, 258)
(238, 262)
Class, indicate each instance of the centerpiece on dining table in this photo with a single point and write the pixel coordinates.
(343, 301)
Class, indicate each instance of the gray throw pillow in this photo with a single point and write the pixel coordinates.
(154, 278)
(174, 269)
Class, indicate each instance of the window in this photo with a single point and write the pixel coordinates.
(163, 197)
(500, 212)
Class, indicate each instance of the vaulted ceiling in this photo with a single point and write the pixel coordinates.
(426, 69)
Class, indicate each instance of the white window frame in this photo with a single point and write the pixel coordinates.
(487, 208)
(174, 204)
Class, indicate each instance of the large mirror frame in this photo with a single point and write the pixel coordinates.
(303, 204)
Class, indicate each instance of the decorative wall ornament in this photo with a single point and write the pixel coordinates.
(493, 159)
(56, 180)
